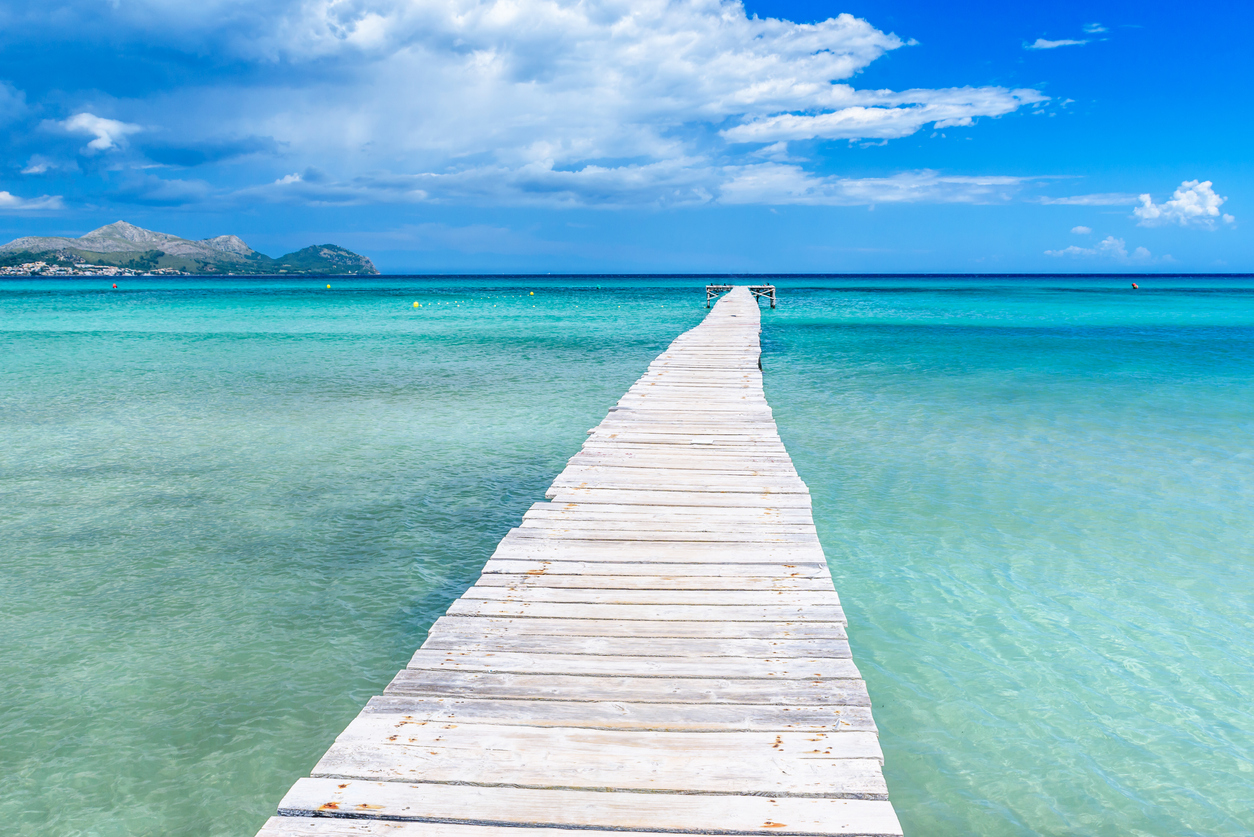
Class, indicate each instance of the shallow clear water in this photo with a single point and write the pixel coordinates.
(230, 508)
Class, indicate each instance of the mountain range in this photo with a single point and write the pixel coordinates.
(125, 245)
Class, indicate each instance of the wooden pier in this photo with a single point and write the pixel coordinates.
(657, 648)
(758, 291)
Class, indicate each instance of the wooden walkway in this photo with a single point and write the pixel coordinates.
(659, 648)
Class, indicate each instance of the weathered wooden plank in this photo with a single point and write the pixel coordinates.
(600, 596)
(730, 516)
(663, 422)
(628, 689)
(697, 451)
(637, 496)
(568, 809)
(686, 412)
(612, 665)
(721, 441)
(594, 448)
(730, 441)
(745, 397)
(691, 461)
(698, 549)
(589, 533)
(623, 715)
(727, 515)
(587, 581)
(538, 626)
(328, 824)
(354, 825)
(694, 475)
(710, 410)
(839, 764)
(473, 642)
(645, 612)
(762, 528)
(609, 511)
(695, 362)
(687, 384)
(644, 552)
(678, 455)
(764, 428)
(680, 573)
(693, 465)
(610, 476)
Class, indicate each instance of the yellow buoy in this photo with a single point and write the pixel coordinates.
(328, 287)
(533, 293)
(416, 305)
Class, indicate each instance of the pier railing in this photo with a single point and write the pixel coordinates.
(758, 291)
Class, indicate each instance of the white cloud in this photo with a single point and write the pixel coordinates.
(12, 203)
(681, 182)
(109, 133)
(1193, 204)
(1041, 43)
(776, 152)
(771, 183)
(1094, 28)
(601, 102)
(1082, 230)
(1111, 248)
(1100, 199)
(887, 115)
(41, 164)
(676, 182)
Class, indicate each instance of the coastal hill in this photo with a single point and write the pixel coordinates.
(127, 246)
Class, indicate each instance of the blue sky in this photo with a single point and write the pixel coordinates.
(537, 135)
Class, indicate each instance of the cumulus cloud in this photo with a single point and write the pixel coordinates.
(885, 114)
(526, 102)
(677, 182)
(1041, 43)
(556, 102)
(1099, 199)
(1082, 230)
(12, 203)
(1193, 204)
(1114, 249)
(673, 183)
(772, 183)
(109, 133)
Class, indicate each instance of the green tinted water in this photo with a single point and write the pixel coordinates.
(229, 510)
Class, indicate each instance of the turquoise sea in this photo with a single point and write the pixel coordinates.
(229, 509)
